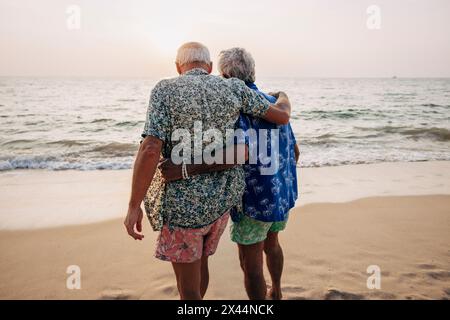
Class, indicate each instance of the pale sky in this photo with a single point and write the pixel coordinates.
(309, 38)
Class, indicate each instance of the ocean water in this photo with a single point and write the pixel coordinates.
(95, 124)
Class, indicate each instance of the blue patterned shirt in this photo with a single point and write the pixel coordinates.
(269, 197)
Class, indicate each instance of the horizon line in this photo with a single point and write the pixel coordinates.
(394, 77)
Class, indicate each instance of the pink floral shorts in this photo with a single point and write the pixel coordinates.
(189, 245)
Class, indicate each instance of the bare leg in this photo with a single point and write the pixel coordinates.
(204, 281)
(188, 279)
(251, 257)
(275, 260)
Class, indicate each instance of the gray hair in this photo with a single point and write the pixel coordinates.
(193, 52)
(237, 63)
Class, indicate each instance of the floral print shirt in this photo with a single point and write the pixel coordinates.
(179, 103)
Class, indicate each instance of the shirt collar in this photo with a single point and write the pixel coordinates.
(196, 72)
(252, 85)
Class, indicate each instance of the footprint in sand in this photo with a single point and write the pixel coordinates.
(432, 271)
(426, 266)
(409, 275)
(169, 290)
(385, 273)
(117, 294)
(383, 295)
(415, 297)
(290, 292)
(447, 292)
(334, 294)
(293, 289)
(439, 275)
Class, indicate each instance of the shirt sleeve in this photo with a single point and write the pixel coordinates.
(252, 102)
(241, 133)
(157, 119)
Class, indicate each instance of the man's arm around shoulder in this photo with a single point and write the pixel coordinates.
(280, 112)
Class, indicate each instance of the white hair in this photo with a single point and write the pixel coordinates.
(193, 52)
(237, 63)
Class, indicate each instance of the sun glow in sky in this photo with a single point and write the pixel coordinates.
(309, 38)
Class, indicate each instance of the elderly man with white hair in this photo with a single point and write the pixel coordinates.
(191, 214)
(268, 196)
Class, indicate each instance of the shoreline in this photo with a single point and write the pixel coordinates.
(63, 198)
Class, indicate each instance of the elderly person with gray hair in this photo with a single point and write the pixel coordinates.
(268, 197)
(191, 213)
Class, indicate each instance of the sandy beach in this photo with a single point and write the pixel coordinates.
(394, 215)
(353, 96)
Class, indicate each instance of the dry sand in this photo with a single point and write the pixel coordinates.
(327, 246)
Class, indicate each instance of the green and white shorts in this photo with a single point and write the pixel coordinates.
(250, 231)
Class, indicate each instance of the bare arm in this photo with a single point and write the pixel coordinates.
(143, 171)
(238, 154)
(297, 153)
(280, 112)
